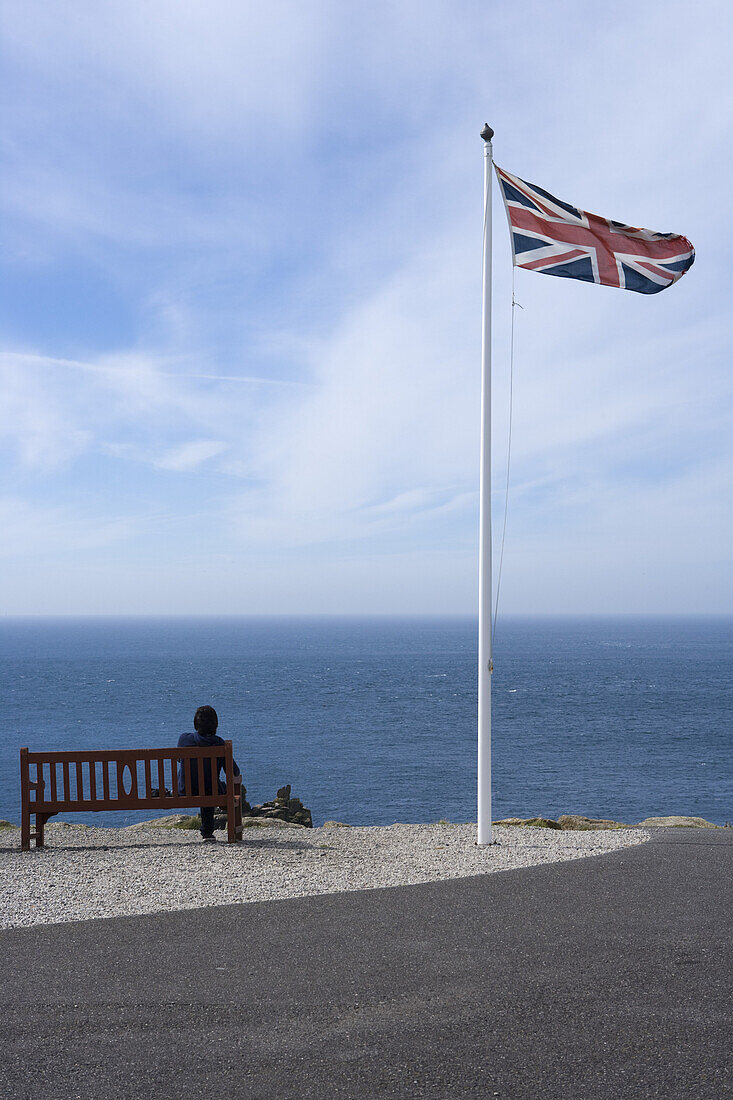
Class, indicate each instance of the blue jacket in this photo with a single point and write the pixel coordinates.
(191, 740)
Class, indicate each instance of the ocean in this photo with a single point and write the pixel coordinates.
(372, 720)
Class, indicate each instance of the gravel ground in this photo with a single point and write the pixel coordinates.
(89, 872)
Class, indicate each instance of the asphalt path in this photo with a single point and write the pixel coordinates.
(606, 977)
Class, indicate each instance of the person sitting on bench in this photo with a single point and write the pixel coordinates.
(205, 724)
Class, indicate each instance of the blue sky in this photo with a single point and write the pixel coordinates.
(240, 315)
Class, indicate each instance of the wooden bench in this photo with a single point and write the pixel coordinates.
(123, 779)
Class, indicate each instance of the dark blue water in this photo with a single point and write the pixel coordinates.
(373, 720)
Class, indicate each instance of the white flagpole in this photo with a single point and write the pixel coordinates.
(485, 663)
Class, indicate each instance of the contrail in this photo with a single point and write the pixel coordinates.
(97, 368)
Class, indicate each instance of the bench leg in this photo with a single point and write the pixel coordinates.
(231, 824)
(238, 807)
(25, 829)
(40, 826)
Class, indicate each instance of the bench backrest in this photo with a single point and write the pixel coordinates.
(121, 779)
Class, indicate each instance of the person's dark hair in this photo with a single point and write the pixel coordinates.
(205, 721)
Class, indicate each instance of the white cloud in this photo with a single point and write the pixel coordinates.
(39, 423)
(132, 406)
(189, 456)
(385, 420)
(36, 532)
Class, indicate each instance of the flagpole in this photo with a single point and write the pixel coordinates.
(485, 662)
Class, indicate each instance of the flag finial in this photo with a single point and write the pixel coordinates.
(487, 133)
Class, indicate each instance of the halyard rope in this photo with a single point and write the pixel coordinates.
(515, 303)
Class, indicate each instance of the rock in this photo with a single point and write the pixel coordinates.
(578, 821)
(336, 825)
(681, 822)
(270, 823)
(534, 822)
(281, 808)
(170, 821)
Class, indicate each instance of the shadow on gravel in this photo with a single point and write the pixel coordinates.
(243, 846)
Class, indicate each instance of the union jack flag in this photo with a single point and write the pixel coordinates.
(555, 238)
